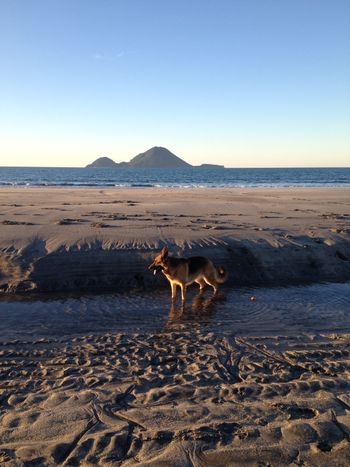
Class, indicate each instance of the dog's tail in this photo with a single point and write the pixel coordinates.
(221, 275)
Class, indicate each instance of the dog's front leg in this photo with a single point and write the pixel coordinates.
(173, 290)
(183, 291)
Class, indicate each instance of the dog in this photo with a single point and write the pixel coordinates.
(184, 271)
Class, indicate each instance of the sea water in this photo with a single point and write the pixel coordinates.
(184, 178)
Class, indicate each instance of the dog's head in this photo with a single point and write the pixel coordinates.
(160, 261)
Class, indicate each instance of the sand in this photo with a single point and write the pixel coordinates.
(60, 239)
(176, 398)
(190, 393)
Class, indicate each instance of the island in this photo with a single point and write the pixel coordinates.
(154, 158)
(104, 162)
(210, 166)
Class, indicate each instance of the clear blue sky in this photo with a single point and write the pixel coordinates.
(237, 82)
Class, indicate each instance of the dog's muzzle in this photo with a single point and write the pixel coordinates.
(155, 268)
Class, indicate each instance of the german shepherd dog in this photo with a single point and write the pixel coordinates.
(185, 271)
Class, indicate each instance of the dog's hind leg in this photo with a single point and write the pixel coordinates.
(212, 283)
(201, 283)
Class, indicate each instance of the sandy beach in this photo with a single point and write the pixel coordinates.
(69, 239)
(127, 378)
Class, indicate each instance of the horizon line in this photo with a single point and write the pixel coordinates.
(221, 166)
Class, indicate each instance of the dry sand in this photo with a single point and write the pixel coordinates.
(186, 395)
(59, 239)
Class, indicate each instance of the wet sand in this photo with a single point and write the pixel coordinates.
(89, 380)
(74, 239)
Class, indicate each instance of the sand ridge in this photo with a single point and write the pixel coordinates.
(59, 239)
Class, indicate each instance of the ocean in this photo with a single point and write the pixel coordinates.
(183, 178)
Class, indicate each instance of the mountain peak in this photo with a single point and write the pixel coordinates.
(103, 162)
(158, 157)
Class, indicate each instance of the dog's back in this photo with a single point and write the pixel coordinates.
(195, 269)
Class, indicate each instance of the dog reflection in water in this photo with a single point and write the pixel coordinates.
(201, 310)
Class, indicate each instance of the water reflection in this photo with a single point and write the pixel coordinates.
(292, 310)
(200, 310)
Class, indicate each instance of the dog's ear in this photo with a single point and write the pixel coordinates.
(164, 252)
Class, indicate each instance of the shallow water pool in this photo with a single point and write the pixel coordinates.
(291, 310)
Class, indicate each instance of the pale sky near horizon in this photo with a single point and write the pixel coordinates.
(245, 83)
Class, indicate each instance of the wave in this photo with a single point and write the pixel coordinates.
(175, 185)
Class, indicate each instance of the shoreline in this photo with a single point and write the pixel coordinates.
(145, 186)
(54, 239)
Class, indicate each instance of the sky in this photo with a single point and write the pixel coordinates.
(244, 83)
